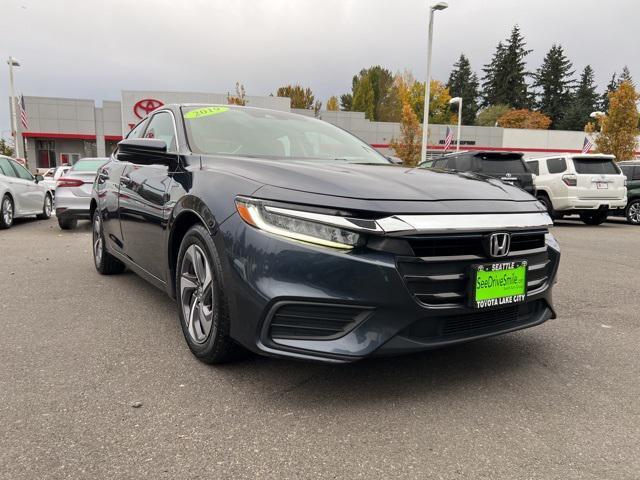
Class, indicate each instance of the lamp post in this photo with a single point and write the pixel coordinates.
(12, 62)
(427, 87)
(458, 100)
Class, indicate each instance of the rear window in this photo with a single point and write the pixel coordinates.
(595, 166)
(503, 166)
(88, 165)
(556, 165)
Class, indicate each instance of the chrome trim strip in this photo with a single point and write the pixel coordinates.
(414, 224)
(466, 222)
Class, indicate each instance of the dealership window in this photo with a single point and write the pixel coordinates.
(556, 165)
(45, 153)
(69, 158)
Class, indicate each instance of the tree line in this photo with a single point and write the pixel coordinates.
(507, 93)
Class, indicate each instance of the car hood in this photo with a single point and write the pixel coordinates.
(367, 182)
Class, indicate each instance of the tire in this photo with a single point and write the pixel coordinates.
(543, 199)
(105, 263)
(596, 217)
(7, 212)
(47, 208)
(632, 212)
(68, 223)
(202, 305)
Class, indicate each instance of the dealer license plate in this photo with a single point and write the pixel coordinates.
(497, 284)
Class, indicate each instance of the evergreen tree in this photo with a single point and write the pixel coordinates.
(611, 87)
(374, 95)
(346, 102)
(625, 76)
(463, 82)
(553, 78)
(584, 100)
(505, 76)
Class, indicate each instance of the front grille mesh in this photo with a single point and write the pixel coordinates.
(314, 321)
(441, 277)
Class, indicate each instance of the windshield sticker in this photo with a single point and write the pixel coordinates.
(204, 112)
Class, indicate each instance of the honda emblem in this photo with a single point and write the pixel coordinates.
(499, 244)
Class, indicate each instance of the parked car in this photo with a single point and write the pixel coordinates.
(631, 169)
(590, 185)
(73, 192)
(21, 193)
(506, 166)
(52, 175)
(290, 237)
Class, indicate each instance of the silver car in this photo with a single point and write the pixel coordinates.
(73, 192)
(21, 194)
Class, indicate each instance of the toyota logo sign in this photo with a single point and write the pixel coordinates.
(146, 106)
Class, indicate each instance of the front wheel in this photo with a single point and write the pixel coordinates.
(47, 208)
(596, 217)
(202, 305)
(633, 212)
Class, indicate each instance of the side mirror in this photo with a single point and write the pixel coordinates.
(39, 178)
(143, 151)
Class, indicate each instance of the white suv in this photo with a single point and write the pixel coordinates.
(590, 185)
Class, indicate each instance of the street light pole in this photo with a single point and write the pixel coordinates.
(458, 100)
(427, 87)
(12, 62)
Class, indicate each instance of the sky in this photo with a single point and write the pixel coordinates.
(94, 49)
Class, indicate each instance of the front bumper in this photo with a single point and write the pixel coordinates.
(267, 273)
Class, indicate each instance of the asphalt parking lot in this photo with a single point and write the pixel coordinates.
(77, 350)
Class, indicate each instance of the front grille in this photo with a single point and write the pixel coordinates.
(452, 245)
(471, 324)
(308, 321)
(441, 278)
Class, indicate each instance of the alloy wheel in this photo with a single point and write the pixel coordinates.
(196, 293)
(97, 240)
(7, 211)
(47, 205)
(633, 215)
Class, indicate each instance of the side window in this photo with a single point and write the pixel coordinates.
(5, 168)
(534, 166)
(441, 163)
(22, 172)
(556, 165)
(137, 130)
(636, 172)
(161, 127)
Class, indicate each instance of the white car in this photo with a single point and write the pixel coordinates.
(21, 194)
(590, 185)
(73, 192)
(52, 175)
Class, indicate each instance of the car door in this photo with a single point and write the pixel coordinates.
(34, 192)
(143, 200)
(9, 183)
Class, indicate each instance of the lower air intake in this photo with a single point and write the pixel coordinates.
(305, 321)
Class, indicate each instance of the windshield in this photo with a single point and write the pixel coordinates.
(226, 130)
(88, 164)
(595, 166)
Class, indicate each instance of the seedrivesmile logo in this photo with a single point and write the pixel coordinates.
(145, 106)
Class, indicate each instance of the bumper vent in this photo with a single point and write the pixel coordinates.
(438, 329)
(303, 321)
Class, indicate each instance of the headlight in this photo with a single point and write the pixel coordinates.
(274, 220)
(552, 242)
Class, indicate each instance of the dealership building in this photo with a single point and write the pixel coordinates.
(62, 130)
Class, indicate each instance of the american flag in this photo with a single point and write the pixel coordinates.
(586, 146)
(23, 114)
(448, 138)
